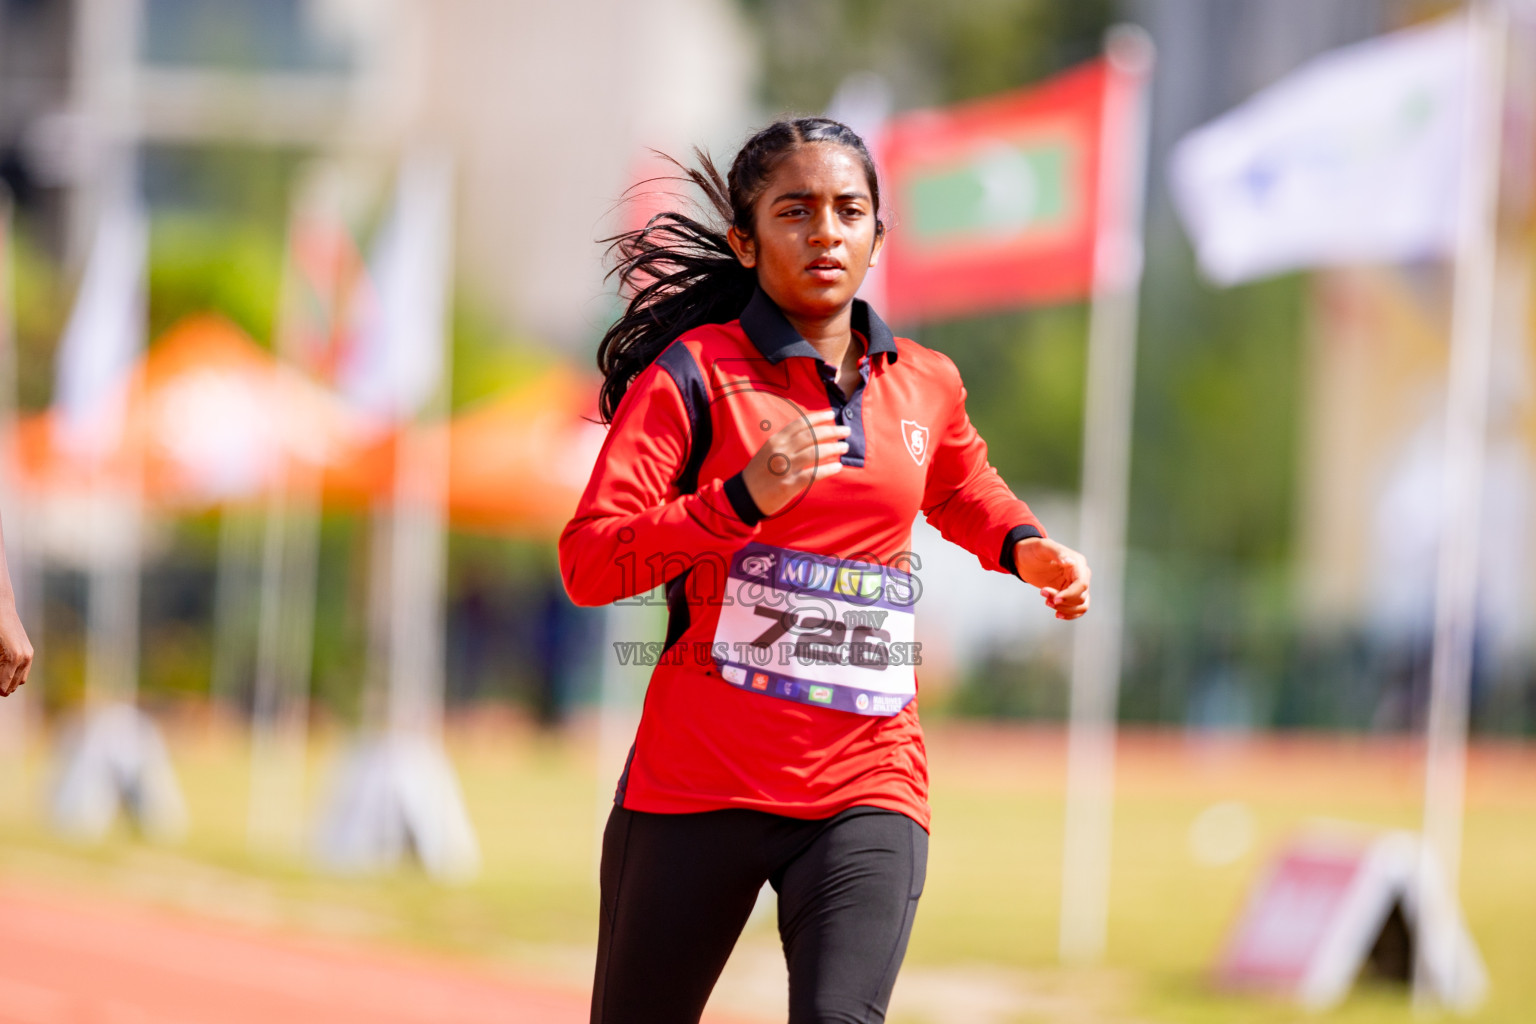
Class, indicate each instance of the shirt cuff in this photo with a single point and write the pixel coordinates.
(741, 500)
(1015, 535)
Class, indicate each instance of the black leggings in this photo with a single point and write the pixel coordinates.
(677, 890)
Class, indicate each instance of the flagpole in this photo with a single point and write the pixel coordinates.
(401, 793)
(289, 567)
(1439, 968)
(418, 560)
(1106, 483)
(118, 758)
(280, 704)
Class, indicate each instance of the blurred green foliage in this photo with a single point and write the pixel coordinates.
(219, 213)
(199, 264)
(1218, 403)
(341, 615)
(489, 359)
(1211, 598)
(229, 182)
(929, 52)
(42, 308)
(1023, 375)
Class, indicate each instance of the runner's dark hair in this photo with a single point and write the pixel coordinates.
(679, 271)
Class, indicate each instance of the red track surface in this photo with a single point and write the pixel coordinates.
(66, 961)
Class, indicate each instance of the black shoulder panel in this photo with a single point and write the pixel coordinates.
(685, 373)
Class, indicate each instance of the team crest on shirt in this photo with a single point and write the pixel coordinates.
(915, 436)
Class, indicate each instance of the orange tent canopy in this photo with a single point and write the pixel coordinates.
(211, 417)
(518, 463)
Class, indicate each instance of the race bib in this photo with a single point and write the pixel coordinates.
(819, 630)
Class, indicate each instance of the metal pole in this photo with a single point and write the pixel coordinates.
(1106, 484)
(1465, 448)
(272, 776)
(418, 564)
(290, 561)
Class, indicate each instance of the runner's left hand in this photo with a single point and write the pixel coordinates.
(1060, 573)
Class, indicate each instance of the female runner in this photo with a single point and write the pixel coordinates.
(770, 445)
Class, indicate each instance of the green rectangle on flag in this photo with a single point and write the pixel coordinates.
(1006, 189)
(995, 199)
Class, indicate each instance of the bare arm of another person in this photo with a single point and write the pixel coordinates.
(15, 648)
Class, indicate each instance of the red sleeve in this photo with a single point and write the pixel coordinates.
(632, 531)
(965, 498)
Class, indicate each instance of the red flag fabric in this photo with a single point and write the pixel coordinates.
(994, 200)
(325, 273)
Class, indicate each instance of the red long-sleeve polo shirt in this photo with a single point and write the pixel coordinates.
(666, 504)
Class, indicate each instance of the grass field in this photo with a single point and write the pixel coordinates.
(984, 945)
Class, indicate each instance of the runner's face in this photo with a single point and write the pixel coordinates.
(815, 231)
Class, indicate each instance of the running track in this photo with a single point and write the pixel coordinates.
(67, 961)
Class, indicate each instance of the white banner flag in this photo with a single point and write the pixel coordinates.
(394, 362)
(105, 333)
(1353, 158)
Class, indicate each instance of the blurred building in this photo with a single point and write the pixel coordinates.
(547, 108)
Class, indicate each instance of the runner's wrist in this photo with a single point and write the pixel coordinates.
(742, 502)
(1008, 559)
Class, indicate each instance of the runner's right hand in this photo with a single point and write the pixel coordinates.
(803, 451)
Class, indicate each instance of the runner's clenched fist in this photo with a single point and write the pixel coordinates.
(805, 450)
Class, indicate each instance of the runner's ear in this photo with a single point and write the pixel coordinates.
(743, 246)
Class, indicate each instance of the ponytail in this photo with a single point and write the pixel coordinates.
(680, 274)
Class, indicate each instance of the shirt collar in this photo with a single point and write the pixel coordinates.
(767, 327)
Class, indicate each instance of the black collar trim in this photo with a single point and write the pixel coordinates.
(777, 340)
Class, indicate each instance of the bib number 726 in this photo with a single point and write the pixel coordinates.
(820, 639)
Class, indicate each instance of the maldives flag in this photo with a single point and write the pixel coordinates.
(994, 200)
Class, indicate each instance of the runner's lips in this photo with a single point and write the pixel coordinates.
(824, 264)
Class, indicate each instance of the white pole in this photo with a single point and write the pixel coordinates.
(401, 792)
(117, 505)
(418, 562)
(1465, 447)
(417, 571)
(290, 557)
(272, 776)
(376, 671)
(280, 708)
(1106, 484)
